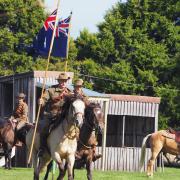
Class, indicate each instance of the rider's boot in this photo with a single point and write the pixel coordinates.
(96, 156)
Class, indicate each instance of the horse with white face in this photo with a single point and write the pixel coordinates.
(61, 142)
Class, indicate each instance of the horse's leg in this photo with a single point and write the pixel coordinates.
(73, 171)
(57, 158)
(62, 171)
(165, 155)
(70, 165)
(6, 159)
(36, 171)
(48, 170)
(37, 163)
(5, 149)
(89, 170)
(9, 157)
(154, 154)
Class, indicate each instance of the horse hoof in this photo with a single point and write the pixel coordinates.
(150, 175)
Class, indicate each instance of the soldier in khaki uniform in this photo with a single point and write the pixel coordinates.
(54, 98)
(20, 112)
(78, 84)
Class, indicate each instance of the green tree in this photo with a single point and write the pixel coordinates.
(136, 46)
(19, 22)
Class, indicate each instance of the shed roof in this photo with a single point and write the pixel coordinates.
(135, 98)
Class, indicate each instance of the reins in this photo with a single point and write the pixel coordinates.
(67, 135)
(88, 147)
(92, 129)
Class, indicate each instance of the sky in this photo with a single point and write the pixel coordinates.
(86, 13)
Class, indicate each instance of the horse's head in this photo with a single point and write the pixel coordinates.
(94, 116)
(13, 122)
(76, 110)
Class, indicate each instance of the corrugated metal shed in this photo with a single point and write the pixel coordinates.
(119, 106)
(132, 105)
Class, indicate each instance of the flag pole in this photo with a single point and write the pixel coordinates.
(43, 87)
(67, 50)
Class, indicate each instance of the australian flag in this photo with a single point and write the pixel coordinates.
(43, 39)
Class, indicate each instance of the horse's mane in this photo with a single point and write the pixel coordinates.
(89, 112)
(65, 109)
(6, 124)
(88, 125)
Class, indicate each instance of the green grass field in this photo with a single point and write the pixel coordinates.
(27, 174)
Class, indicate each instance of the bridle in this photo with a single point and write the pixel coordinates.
(93, 127)
(72, 122)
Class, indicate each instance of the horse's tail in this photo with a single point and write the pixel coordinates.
(143, 151)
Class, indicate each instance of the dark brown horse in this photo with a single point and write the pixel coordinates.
(7, 139)
(87, 142)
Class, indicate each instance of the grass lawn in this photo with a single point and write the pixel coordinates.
(27, 174)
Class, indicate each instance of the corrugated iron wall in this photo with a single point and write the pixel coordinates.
(122, 159)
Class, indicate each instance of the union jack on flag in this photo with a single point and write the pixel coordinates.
(43, 39)
(63, 26)
(50, 21)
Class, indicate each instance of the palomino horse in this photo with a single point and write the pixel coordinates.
(87, 141)
(61, 142)
(160, 141)
(7, 139)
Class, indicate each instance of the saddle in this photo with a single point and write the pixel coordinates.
(176, 133)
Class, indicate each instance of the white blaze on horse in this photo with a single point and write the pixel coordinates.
(160, 141)
(61, 142)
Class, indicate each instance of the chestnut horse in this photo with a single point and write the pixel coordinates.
(87, 140)
(7, 139)
(160, 141)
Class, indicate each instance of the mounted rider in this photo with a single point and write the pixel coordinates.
(53, 100)
(78, 84)
(20, 113)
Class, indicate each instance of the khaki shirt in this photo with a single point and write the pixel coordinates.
(54, 99)
(21, 112)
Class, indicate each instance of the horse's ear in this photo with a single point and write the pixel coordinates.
(87, 103)
(14, 120)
